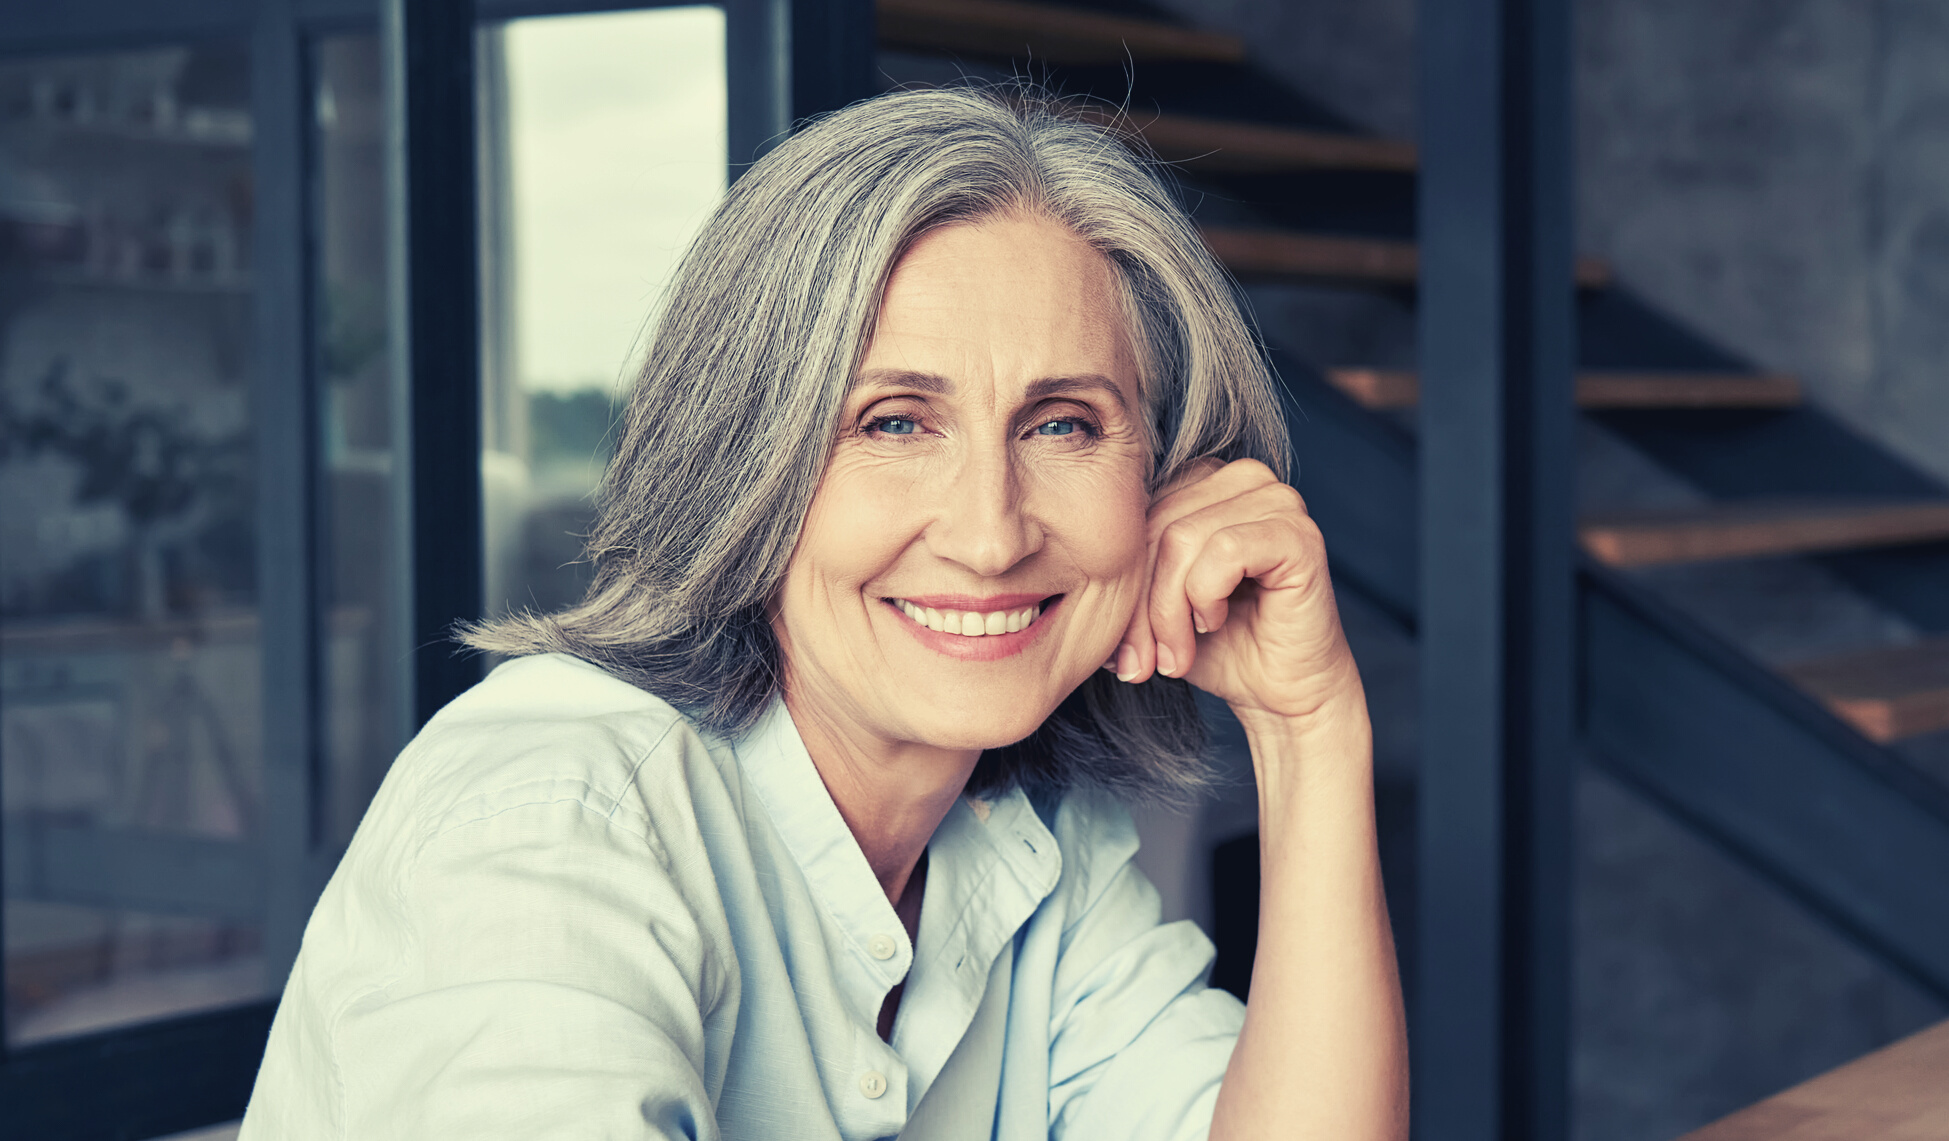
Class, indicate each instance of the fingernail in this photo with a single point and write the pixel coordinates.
(1126, 663)
(1198, 623)
(1111, 665)
(1167, 662)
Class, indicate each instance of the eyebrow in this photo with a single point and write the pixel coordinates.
(906, 378)
(1087, 382)
(1038, 390)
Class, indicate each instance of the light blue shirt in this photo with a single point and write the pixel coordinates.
(570, 913)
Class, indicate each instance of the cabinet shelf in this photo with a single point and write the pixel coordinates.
(229, 285)
(224, 133)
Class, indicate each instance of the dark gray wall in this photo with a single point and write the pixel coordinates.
(1777, 171)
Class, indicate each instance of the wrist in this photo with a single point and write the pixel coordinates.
(1331, 742)
(1338, 707)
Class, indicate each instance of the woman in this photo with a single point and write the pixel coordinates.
(951, 464)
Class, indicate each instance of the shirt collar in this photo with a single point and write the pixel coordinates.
(990, 865)
(856, 915)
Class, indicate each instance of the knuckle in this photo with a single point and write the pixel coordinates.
(1178, 541)
(1256, 470)
(1312, 549)
(1308, 538)
(1284, 498)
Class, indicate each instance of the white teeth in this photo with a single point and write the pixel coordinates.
(970, 623)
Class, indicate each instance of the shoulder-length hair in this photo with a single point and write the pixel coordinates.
(735, 409)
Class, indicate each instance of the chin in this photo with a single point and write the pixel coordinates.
(978, 721)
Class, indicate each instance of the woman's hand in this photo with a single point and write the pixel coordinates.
(1239, 602)
(1241, 605)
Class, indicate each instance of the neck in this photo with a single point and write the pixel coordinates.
(891, 794)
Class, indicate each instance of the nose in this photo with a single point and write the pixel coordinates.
(982, 522)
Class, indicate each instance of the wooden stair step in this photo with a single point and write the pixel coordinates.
(1225, 145)
(1889, 693)
(1399, 388)
(1896, 1093)
(1332, 257)
(1045, 34)
(1755, 528)
(1284, 253)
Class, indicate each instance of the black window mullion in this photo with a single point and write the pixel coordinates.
(431, 201)
(288, 597)
(757, 81)
(1496, 617)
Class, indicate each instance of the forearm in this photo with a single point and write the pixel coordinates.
(1323, 1053)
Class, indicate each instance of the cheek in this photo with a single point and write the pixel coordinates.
(1125, 543)
(851, 532)
(1104, 525)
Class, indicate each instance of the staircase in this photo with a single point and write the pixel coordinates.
(1789, 769)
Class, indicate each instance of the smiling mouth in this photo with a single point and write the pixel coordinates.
(973, 623)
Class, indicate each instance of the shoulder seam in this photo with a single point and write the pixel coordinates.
(648, 751)
(590, 803)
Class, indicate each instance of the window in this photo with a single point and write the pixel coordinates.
(604, 145)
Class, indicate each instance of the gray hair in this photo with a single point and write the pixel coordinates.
(735, 409)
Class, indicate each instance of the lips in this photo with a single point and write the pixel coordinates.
(975, 628)
(969, 623)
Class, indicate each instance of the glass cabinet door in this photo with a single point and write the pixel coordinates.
(131, 768)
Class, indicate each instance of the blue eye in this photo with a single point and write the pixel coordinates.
(1056, 428)
(896, 425)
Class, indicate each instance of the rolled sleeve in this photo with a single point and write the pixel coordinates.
(557, 986)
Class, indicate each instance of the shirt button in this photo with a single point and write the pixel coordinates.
(881, 947)
(872, 1083)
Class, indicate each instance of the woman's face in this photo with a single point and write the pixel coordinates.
(977, 544)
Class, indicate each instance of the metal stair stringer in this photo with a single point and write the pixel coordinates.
(1734, 750)
(1730, 749)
